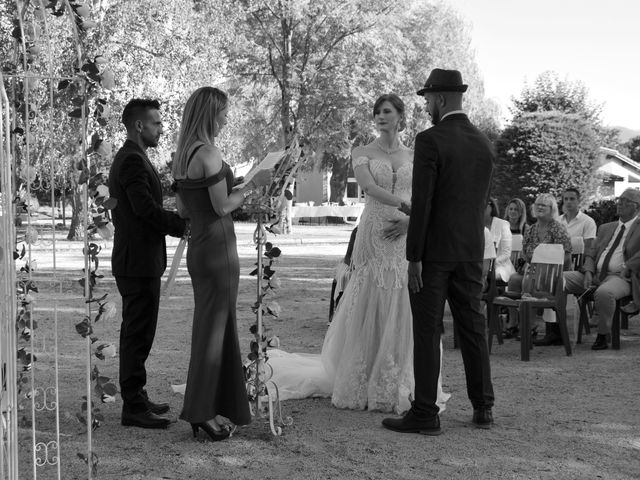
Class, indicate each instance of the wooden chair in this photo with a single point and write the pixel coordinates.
(542, 287)
(490, 293)
(516, 248)
(516, 251)
(620, 319)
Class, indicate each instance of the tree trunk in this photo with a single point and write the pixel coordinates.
(76, 229)
(339, 176)
(285, 110)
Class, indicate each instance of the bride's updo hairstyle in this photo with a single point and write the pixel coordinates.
(198, 125)
(397, 103)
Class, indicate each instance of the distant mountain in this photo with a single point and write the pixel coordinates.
(626, 133)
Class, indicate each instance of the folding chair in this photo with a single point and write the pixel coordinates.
(542, 287)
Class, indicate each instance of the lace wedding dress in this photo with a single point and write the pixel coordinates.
(367, 355)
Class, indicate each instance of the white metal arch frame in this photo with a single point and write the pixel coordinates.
(26, 396)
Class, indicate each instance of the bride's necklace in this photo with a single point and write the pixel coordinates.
(389, 151)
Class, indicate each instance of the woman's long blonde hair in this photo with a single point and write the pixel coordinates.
(522, 209)
(198, 125)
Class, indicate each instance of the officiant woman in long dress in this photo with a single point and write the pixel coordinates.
(215, 397)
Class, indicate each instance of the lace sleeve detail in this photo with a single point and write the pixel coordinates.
(360, 161)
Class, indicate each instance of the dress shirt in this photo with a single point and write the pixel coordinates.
(617, 258)
(489, 246)
(452, 112)
(581, 226)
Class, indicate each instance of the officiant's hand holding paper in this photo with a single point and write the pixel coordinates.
(268, 163)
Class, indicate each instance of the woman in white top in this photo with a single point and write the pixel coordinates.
(501, 234)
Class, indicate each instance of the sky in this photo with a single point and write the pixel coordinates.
(595, 42)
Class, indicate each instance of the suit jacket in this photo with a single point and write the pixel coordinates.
(630, 247)
(139, 248)
(452, 169)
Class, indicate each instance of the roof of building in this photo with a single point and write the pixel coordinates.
(613, 153)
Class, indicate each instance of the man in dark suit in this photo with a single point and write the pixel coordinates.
(452, 169)
(139, 256)
(611, 264)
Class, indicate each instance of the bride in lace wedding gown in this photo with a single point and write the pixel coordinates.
(367, 355)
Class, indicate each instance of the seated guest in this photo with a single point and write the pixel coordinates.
(489, 254)
(610, 264)
(547, 229)
(501, 236)
(577, 223)
(516, 215)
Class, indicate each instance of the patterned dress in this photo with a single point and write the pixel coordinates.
(556, 233)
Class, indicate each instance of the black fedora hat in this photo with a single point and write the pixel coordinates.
(443, 81)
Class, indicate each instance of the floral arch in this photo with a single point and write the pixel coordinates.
(53, 87)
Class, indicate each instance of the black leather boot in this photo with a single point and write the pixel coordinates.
(551, 337)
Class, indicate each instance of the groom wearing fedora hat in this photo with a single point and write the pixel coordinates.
(452, 169)
(443, 81)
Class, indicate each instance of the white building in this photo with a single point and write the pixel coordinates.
(619, 173)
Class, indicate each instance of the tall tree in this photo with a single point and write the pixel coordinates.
(552, 141)
(162, 50)
(545, 152)
(632, 147)
(397, 56)
(297, 45)
(549, 92)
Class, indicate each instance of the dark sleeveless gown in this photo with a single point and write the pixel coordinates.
(215, 384)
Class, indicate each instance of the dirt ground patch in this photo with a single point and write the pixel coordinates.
(556, 417)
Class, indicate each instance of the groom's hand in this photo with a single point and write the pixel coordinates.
(415, 277)
(405, 208)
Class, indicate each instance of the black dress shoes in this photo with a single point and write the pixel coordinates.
(157, 408)
(600, 343)
(412, 424)
(630, 308)
(548, 340)
(145, 419)
(482, 417)
(552, 336)
(214, 435)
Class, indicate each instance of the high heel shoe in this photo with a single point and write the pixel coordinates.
(215, 435)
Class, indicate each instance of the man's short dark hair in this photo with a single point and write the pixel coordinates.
(572, 189)
(136, 108)
(495, 210)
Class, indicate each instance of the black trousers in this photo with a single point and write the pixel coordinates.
(140, 303)
(461, 284)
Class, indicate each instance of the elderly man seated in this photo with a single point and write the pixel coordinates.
(610, 263)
